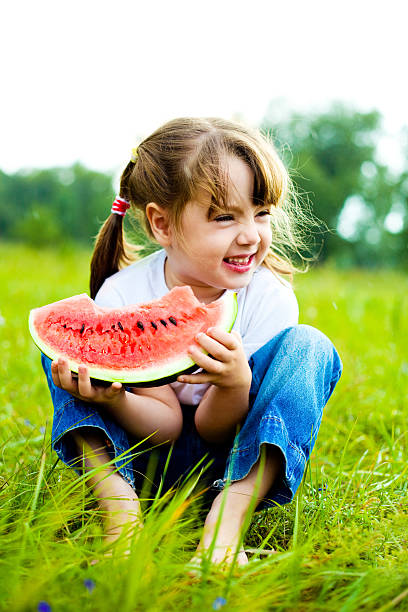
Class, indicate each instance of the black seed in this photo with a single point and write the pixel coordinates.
(113, 326)
(120, 325)
(173, 320)
(81, 331)
(163, 322)
(140, 325)
(153, 324)
(65, 325)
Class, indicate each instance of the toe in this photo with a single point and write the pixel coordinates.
(242, 558)
(194, 568)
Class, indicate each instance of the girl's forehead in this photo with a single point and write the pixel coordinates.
(232, 188)
(205, 201)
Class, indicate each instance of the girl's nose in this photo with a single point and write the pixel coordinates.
(248, 235)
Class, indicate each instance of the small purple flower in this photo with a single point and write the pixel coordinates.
(218, 603)
(43, 606)
(42, 429)
(89, 584)
(28, 422)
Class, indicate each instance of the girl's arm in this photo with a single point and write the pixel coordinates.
(220, 411)
(145, 410)
(225, 404)
(140, 412)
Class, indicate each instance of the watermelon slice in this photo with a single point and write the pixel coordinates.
(138, 344)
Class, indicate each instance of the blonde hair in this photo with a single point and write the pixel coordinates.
(184, 155)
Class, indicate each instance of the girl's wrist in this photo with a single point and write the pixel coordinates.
(241, 384)
(115, 403)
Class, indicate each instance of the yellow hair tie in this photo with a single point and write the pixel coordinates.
(134, 155)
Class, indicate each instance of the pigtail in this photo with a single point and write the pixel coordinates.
(110, 251)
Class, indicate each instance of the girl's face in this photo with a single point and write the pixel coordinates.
(222, 249)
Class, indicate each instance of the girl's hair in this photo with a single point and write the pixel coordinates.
(187, 154)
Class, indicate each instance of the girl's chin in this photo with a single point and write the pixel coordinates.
(238, 281)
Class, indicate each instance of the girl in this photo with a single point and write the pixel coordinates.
(214, 196)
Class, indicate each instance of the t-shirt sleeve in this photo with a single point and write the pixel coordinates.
(108, 296)
(270, 307)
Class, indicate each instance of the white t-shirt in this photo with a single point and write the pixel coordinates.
(265, 306)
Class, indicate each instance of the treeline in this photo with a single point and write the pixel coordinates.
(333, 160)
(55, 205)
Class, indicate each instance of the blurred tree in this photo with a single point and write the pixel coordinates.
(332, 160)
(400, 208)
(38, 227)
(74, 199)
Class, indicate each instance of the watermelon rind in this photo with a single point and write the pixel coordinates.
(151, 375)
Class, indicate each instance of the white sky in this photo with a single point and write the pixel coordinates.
(86, 79)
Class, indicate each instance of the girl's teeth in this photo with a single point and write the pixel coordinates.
(238, 259)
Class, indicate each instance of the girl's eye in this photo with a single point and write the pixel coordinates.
(262, 213)
(224, 218)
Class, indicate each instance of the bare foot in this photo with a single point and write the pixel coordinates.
(242, 496)
(121, 514)
(220, 549)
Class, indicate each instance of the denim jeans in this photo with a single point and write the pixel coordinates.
(293, 376)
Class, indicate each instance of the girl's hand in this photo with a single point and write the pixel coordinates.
(82, 388)
(225, 366)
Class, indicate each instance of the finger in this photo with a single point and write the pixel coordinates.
(196, 379)
(215, 348)
(229, 340)
(84, 382)
(204, 361)
(237, 336)
(65, 376)
(113, 390)
(54, 374)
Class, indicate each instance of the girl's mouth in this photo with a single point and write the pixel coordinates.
(239, 264)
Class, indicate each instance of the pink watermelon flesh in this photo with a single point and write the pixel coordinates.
(137, 344)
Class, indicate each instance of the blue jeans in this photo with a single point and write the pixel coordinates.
(293, 376)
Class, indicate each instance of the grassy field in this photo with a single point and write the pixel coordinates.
(341, 545)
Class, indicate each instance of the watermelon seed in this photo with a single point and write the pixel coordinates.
(153, 324)
(65, 325)
(120, 325)
(140, 325)
(81, 331)
(163, 322)
(113, 326)
(173, 320)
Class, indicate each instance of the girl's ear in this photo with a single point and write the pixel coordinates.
(159, 223)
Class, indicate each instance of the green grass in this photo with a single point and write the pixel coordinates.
(342, 544)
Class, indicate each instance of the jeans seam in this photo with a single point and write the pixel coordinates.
(333, 383)
(298, 451)
(118, 450)
(256, 381)
(78, 425)
(65, 405)
(287, 477)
